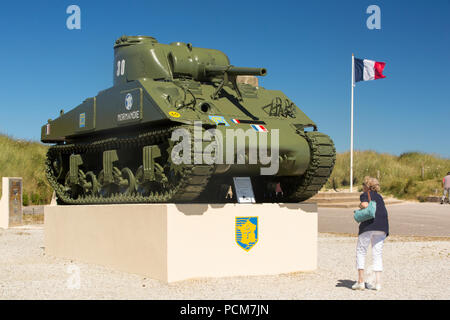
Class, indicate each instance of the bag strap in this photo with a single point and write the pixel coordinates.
(368, 194)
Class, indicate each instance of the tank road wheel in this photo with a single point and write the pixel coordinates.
(140, 182)
(159, 173)
(87, 184)
(92, 185)
(106, 189)
(173, 171)
(145, 186)
(74, 189)
(127, 184)
(123, 182)
(57, 166)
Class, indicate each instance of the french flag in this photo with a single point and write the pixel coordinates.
(368, 70)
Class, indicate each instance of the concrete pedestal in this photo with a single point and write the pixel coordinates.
(173, 242)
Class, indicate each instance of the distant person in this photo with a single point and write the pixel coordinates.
(446, 185)
(278, 190)
(371, 231)
(229, 193)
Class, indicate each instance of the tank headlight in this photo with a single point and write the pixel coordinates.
(205, 107)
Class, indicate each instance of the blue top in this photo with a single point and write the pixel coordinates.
(380, 222)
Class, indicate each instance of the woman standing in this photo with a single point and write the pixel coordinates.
(371, 231)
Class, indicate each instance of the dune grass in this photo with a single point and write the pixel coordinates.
(26, 159)
(412, 175)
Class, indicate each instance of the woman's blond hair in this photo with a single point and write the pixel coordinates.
(372, 183)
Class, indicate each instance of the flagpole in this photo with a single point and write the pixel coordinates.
(351, 126)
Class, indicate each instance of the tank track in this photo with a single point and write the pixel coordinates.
(192, 180)
(323, 158)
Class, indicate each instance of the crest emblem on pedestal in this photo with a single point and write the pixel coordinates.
(246, 232)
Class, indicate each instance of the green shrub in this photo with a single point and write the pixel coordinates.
(35, 198)
(25, 200)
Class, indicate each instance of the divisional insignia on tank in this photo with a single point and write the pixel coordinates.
(246, 232)
(82, 120)
(174, 114)
(219, 120)
(128, 101)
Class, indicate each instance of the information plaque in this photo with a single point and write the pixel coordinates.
(244, 190)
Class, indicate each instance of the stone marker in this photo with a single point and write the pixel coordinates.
(11, 202)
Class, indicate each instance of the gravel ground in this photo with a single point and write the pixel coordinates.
(415, 268)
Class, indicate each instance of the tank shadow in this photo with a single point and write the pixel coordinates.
(217, 205)
(192, 209)
(200, 208)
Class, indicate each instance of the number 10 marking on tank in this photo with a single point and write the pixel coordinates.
(120, 67)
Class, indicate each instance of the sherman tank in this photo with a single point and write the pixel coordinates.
(125, 144)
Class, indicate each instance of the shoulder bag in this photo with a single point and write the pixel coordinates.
(366, 213)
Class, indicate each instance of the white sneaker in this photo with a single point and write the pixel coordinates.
(358, 286)
(376, 287)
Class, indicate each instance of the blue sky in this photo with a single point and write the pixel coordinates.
(306, 47)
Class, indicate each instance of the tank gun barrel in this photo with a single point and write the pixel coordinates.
(234, 71)
(230, 74)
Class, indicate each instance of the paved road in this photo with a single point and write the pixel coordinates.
(407, 219)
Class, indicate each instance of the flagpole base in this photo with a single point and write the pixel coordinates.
(173, 242)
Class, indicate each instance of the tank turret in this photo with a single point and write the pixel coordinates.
(137, 57)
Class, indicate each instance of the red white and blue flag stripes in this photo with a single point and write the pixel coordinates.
(259, 128)
(368, 70)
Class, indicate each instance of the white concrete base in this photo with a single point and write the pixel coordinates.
(173, 242)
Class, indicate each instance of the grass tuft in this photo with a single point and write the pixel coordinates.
(26, 159)
(412, 175)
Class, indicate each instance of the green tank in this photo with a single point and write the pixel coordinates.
(124, 144)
